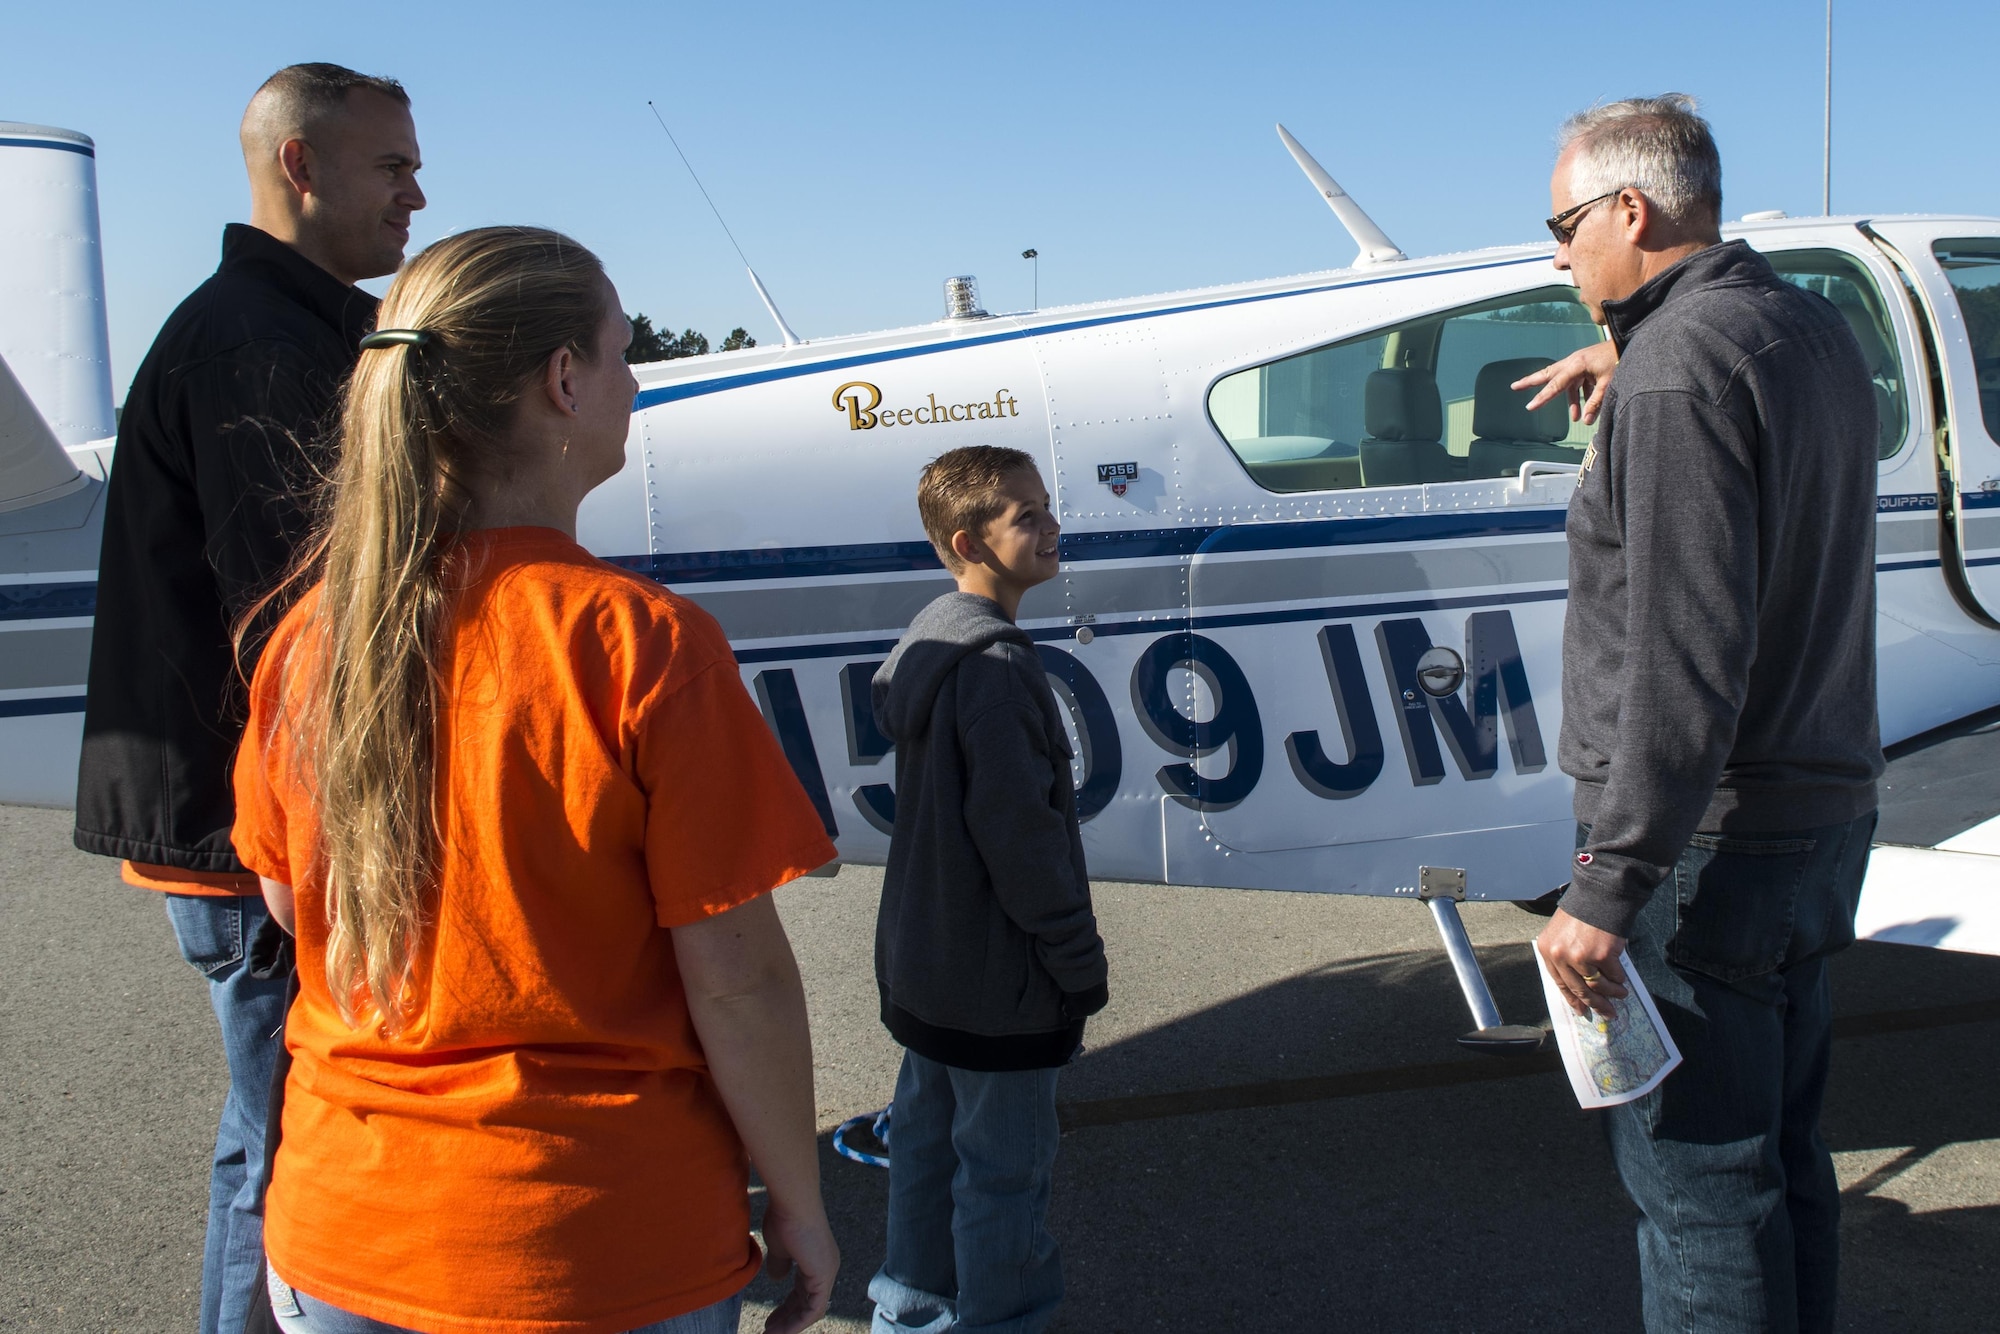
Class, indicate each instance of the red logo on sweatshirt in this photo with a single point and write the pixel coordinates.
(1583, 859)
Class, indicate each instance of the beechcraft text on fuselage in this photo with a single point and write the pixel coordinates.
(862, 402)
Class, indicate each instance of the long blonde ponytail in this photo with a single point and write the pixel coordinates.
(418, 419)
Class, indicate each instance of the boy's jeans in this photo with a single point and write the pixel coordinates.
(972, 1157)
(215, 935)
(1740, 1208)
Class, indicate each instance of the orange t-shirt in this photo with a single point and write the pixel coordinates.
(542, 1147)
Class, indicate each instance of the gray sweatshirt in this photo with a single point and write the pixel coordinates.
(1719, 647)
(986, 947)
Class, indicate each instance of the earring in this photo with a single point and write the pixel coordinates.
(576, 407)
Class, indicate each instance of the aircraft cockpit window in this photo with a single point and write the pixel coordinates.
(1842, 280)
(1426, 401)
(1973, 268)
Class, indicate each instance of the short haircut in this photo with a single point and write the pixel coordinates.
(1656, 145)
(299, 98)
(960, 492)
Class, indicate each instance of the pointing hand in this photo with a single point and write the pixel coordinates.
(1584, 375)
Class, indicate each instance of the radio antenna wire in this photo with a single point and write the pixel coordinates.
(784, 330)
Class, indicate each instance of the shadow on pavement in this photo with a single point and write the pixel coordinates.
(1483, 1200)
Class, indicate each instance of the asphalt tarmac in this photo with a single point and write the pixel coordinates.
(1271, 1127)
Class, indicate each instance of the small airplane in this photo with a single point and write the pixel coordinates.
(1308, 628)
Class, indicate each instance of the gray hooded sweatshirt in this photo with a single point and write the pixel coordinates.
(1719, 653)
(986, 947)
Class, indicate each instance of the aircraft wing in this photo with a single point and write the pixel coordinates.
(1934, 877)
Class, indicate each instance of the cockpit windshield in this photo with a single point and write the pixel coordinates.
(1426, 401)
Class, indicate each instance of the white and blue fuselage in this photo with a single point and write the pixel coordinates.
(1308, 639)
(1242, 664)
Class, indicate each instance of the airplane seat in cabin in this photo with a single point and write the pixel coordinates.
(1507, 435)
(1881, 362)
(1885, 420)
(1405, 421)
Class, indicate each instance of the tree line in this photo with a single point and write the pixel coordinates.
(663, 344)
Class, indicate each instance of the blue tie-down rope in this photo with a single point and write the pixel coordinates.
(878, 1126)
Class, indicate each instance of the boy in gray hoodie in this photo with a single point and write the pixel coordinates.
(986, 947)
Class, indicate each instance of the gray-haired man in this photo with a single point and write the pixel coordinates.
(1718, 711)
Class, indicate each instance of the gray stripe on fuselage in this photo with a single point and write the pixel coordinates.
(1370, 573)
(1982, 532)
(1902, 536)
(1097, 591)
(32, 659)
(1086, 588)
(827, 609)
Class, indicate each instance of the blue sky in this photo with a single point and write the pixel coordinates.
(864, 153)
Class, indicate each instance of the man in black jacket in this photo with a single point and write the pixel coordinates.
(224, 433)
(1718, 712)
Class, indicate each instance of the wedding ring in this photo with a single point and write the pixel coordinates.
(1589, 978)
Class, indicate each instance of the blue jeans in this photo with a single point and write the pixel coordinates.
(1740, 1210)
(300, 1314)
(215, 935)
(972, 1157)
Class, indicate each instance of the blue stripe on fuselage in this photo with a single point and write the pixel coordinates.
(46, 704)
(45, 601)
(58, 145)
(671, 393)
(700, 567)
(34, 602)
(1139, 545)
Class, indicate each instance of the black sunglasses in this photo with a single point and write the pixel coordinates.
(1564, 224)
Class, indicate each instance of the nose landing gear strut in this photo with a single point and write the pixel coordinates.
(1442, 889)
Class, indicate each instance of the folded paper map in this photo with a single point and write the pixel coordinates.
(1617, 1052)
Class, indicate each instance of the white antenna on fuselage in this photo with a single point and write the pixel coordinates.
(1376, 248)
(784, 330)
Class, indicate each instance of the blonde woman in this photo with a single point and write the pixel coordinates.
(524, 822)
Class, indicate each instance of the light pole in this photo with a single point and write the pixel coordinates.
(1036, 256)
(1826, 143)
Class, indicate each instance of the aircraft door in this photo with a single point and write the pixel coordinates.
(1115, 450)
(1115, 478)
(1955, 270)
(1341, 699)
(1111, 434)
